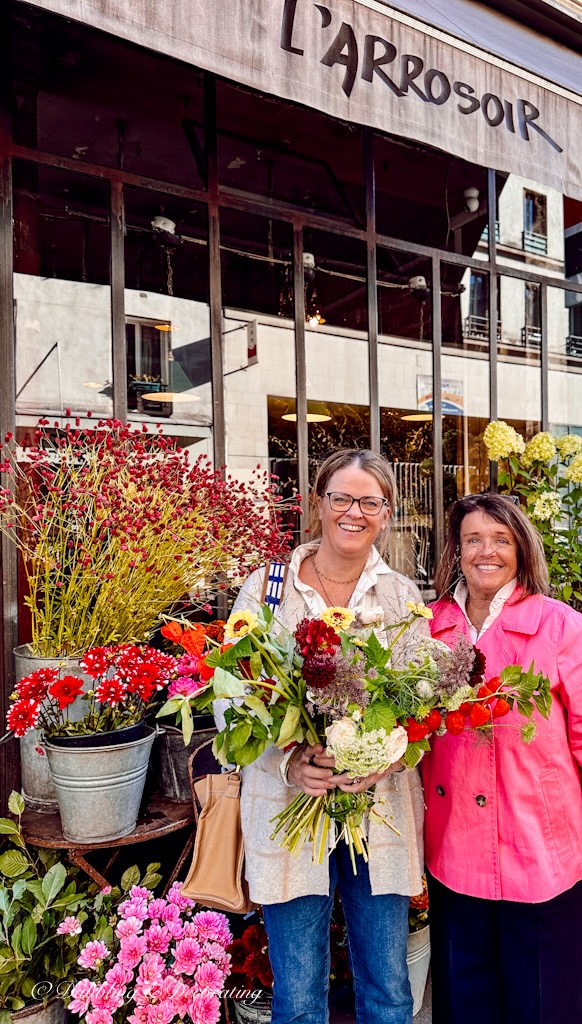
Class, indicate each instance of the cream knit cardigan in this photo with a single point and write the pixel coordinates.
(396, 861)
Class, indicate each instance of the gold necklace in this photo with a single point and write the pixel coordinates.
(338, 583)
(330, 603)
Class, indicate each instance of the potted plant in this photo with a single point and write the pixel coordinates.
(161, 962)
(114, 527)
(48, 910)
(418, 954)
(99, 759)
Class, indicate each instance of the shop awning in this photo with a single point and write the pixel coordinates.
(366, 62)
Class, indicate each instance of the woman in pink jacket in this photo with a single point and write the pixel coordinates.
(504, 818)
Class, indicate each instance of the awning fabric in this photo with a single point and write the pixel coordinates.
(366, 62)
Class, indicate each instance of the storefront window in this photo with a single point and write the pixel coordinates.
(282, 151)
(85, 95)
(259, 344)
(62, 294)
(519, 378)
(168, 354)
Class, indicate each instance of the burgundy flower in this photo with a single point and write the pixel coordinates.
(319, 670)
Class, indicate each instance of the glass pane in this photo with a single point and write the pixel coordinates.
(565, 359)
(86, 95)
(317, 164)
(336, 344)
(465, 380)
(62, 294)
(519, 366)
(259, 343)
(405, 388)
(426, 196)
(167, 315)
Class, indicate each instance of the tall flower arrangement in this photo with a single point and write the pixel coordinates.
(115, 525)
(546, 472)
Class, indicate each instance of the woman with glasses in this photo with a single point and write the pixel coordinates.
(504, 818)
(354, 495)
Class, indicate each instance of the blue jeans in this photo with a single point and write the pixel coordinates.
(300, 956)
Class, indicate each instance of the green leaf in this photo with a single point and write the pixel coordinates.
(227, 685)
(171, 707)
(256, 664)
(5, 1017)
(16, 803)
(129, 878)
(289, 725)
(256, 704)
(13, 863)
(412, 755)
(15, 939)
(34, 885)
(253, 749)
(19, 888)
(379, 715)
(53, 881)
(238, 736)
(28, 936)
(151, 879)
(377, 654)
(8, 827)
(187, 723)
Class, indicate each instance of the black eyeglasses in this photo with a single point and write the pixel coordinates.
(369, 505)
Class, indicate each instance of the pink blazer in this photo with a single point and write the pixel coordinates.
(504, 819)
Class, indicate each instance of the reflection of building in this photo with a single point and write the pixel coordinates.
(336, 212)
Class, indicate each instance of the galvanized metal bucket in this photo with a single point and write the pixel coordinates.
(171, 761)
(37, 1013)
(37, 784)
(418, 960)
(99, 789)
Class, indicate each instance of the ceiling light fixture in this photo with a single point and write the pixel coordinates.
(317, 412)
(418, 417)
(471, 197)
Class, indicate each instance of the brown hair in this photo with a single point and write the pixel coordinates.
(531, 563)
(363, 458)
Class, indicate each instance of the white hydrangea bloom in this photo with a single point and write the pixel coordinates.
(569, 444)
(541, 448)
(501, 440)
(548, 505)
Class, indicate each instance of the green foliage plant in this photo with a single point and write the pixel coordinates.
(546, 473)
(37, 893)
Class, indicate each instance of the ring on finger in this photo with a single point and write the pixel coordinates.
(356, 782)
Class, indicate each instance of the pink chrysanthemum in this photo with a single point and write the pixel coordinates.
(70, 926)
(132, 950)
(82, 994)
(134, 908)
(139, 1015)
(205, 1008)
(129, 926)
(158, 938)
(99, 1017)
(187, 956)
(175, 897)
(185, 686)
(109, 997)
(212, 927)
(162, 1013)
(155, 908)
(118, 975)
(93, 954)
(209, 977)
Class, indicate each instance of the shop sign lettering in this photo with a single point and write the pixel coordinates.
(406, 74)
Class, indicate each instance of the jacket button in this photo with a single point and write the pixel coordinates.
(481, 800)
(440, 790)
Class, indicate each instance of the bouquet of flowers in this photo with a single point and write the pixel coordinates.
(359, 687)
(125, 679)
(162, 964)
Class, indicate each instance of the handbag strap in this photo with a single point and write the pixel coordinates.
(274, 584)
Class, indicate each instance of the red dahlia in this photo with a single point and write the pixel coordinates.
(22, 716)
(313, 636)
(66, 690)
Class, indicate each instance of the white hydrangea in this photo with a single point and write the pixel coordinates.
(548, 505)
(574, 470)
(360, 753)
(569, 444)
(541, 448)
(501, 440)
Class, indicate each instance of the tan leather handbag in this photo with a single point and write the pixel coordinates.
(216, 877)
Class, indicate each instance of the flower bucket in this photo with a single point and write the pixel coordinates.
(37, 1013)
(37, 784)
(99, 789)
(171, 760)
(418, 960)
(247, 1011)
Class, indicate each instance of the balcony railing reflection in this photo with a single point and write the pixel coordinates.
(531, 336)
(531, 242)
(478, 327)
(574, 345)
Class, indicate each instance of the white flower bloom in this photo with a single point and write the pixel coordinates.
(371, 616)
(453, 701)
(548, 505)
(424, 689)
(365, 752)
(341, 733)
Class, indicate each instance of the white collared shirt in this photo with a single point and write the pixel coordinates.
(363, 595)
(461, 595)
